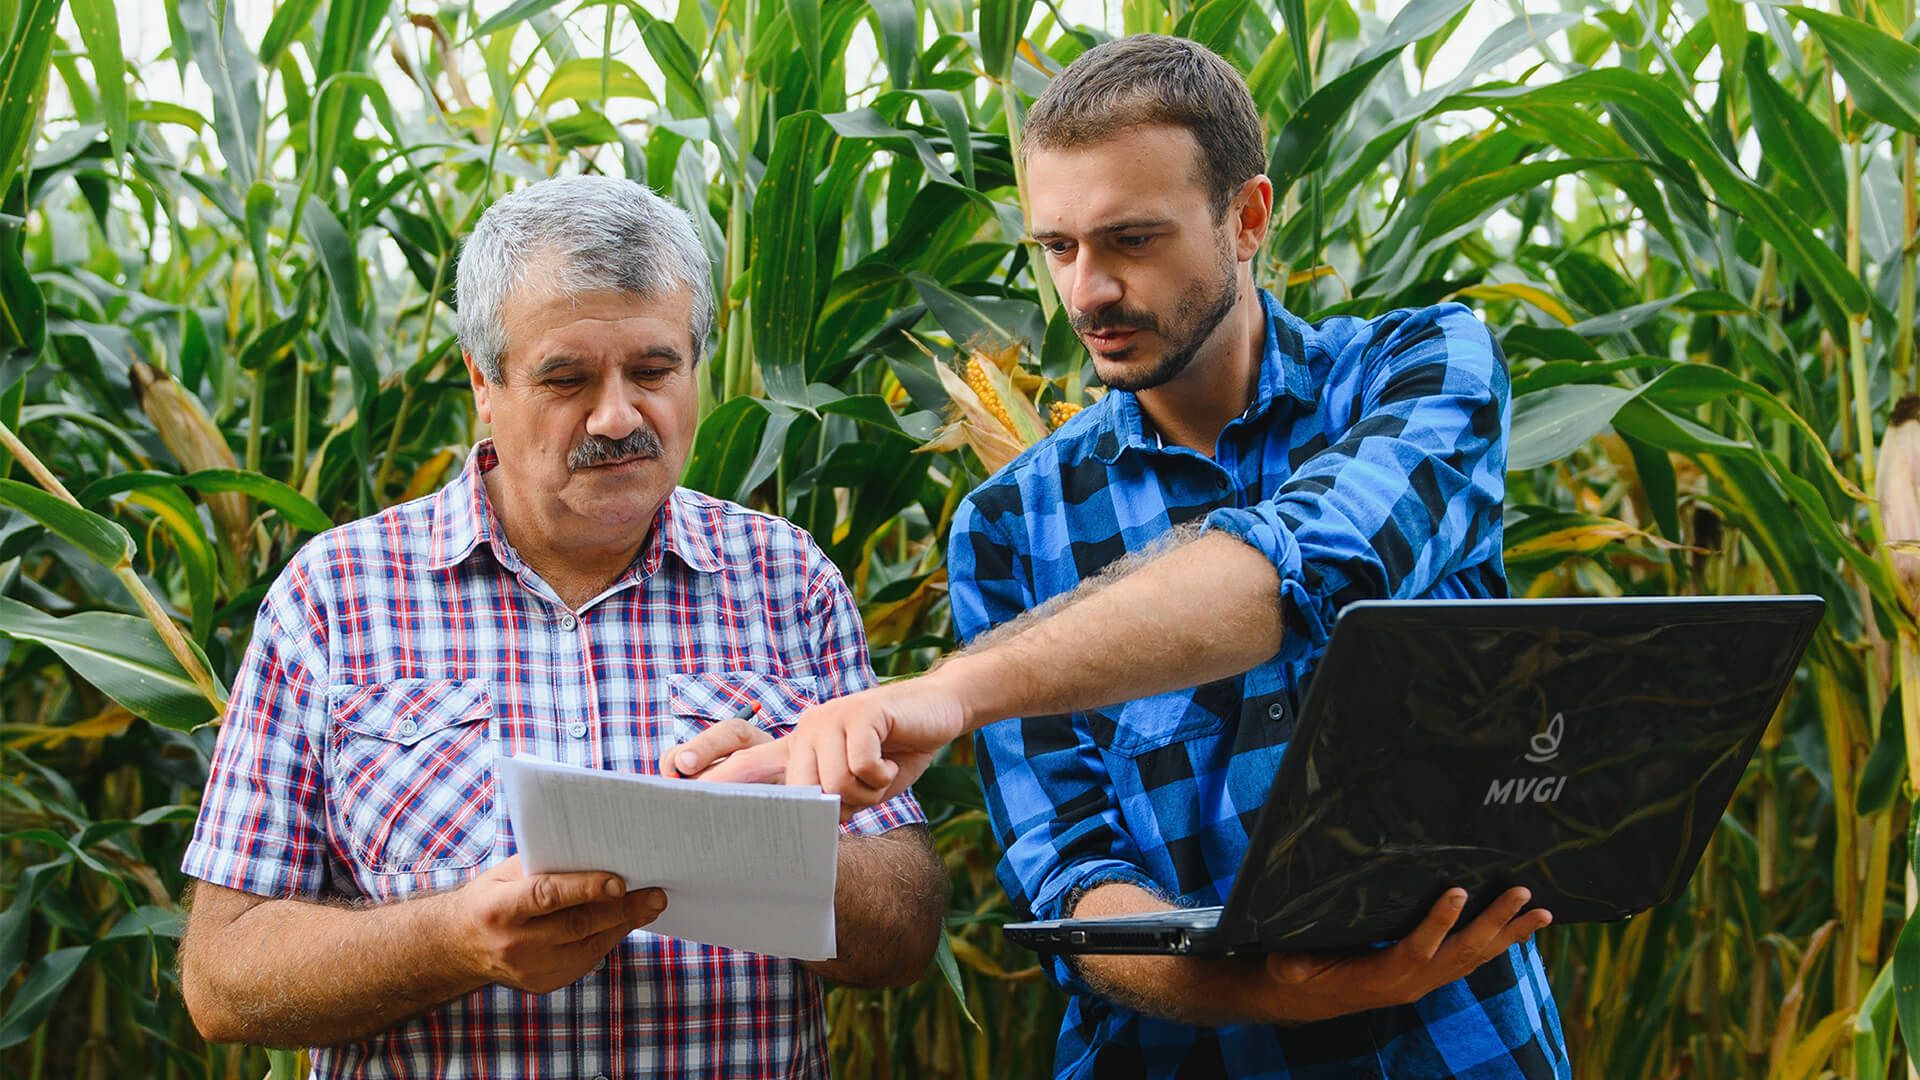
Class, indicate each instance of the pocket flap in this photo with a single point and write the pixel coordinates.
(407, 710)
(718, 695)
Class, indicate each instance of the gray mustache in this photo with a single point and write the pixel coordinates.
(599, 450)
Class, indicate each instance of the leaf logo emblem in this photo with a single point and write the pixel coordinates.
(1545, 746)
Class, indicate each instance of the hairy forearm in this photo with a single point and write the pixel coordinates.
(1208, 991)
(889, 898)
(1200, 611)
(297, 973)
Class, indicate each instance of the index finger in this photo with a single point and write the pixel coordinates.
(763, 764)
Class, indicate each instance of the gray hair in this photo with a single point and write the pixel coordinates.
(583, 234)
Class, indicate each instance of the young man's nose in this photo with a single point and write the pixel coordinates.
(1094, 286)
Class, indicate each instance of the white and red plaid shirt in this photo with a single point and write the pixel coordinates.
(397, 658)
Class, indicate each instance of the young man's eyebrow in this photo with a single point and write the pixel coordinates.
(1041, 236)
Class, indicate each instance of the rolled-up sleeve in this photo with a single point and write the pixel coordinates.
(1049, 796)
(1408, 492)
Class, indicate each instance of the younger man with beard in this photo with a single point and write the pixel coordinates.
(1146, 678)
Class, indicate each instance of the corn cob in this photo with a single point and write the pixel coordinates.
(196, 444)
(1060, 412)
(1899, 490)
(978, 382)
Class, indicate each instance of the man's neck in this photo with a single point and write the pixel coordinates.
(1193, 408)
(576, 574)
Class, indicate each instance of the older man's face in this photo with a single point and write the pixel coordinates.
(593, 419)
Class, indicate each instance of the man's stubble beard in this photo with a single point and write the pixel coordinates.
(1201, 311)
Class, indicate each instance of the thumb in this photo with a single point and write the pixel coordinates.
(1290, 967)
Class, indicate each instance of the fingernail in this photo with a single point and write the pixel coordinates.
(687, 760)
(616, 888)
(657, 900)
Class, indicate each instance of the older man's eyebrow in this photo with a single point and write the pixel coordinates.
(658, 352)
(553, 364)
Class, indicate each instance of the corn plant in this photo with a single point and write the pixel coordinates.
(1690, 224)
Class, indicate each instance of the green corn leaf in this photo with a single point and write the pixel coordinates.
(298, 510)
(119, 654)
(1802, 149)
(950, 970)
(1303, 141)
(1906, 966)
(100, 28)
(783, 270)
(197, 552)
(1873, 1027)
(899, 35)
(1002, 22)
(37, 994)
(1886, 766)
(988, 322)
(23, 82)
(724, 447)
(518, 12)
(23, 309)
(597, 79)
(16, 923)
(1882, 71)
(104, 541)
(289, 20)
(231, 74)
(1552, 423)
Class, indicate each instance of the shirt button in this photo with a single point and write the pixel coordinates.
(567, 622)
(408, 729)
(577, 729)
(1275, 712)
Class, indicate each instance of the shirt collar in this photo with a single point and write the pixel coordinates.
(463, 520)
(1283, 371)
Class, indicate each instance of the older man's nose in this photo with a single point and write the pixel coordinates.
(616, 410)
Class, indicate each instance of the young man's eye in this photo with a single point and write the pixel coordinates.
(1132, 242)
(1056, 248)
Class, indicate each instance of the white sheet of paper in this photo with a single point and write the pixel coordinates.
(744, 866)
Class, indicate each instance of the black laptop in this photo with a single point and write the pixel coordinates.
(1585, 749)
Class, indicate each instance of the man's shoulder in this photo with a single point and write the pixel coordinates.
(392, 539)
(734, 533)
(1451, 325)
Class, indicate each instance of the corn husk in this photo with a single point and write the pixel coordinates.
(1898, 488)
(196, 444)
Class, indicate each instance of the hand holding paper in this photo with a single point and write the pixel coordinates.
(744, 866)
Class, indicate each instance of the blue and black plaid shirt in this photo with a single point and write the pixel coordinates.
(1371, 463)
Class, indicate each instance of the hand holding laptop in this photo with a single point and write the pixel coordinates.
(1317, 986)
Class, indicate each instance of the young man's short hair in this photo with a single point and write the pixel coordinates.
(1151, 79)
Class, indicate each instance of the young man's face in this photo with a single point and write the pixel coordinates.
(1144, 269)
(594, 418)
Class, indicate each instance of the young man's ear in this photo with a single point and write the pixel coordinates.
(482, 390)
(1250, 215)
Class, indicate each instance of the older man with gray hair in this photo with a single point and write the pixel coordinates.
(358, 888)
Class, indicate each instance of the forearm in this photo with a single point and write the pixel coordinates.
(1201, 611)
(296, 973)
(1207, 991)
(889, 899)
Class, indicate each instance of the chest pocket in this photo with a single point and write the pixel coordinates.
(410, 782)
(1136, 727)
(699, 700)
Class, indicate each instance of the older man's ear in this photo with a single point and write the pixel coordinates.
(482, 390)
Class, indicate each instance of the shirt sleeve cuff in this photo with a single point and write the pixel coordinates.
(260, 876)
(1308, 619)
(902, 809)
(1072, 882)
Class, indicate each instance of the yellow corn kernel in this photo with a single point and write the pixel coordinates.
(978, 382)
(1060, 412)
